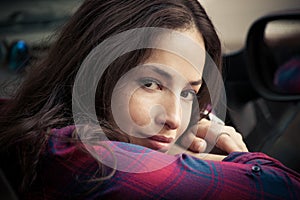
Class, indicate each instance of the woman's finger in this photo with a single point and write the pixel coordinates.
(208, 130)
(193, 143)
(198, 145)
(225, 138)
(227, 144)
(229, 140)
(202, 128)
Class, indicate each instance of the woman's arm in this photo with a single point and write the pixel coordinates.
(68, 172)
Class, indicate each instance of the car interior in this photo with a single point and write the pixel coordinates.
(261, 76)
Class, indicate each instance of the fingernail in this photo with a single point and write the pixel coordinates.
(201, 146)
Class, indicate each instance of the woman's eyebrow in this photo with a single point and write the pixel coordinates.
(161, 72)
(169, 76)
(199, 82)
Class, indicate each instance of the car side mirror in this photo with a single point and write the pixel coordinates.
(273, 56)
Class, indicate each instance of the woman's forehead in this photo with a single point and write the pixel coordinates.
(169, 62)
(185, 46)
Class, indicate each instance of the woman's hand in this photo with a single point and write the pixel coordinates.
(207, 132)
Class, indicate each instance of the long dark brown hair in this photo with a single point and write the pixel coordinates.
(44, 100)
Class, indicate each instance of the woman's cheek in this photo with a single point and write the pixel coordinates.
(186, 116)
(139, 109)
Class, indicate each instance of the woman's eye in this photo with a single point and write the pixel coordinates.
(151, 84)
(188, 95)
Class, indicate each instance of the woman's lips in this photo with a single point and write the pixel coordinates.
(162, 139)
(160, 142)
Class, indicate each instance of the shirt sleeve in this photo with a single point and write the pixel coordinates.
(67, 172)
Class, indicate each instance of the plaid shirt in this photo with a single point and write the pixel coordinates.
(65, 172)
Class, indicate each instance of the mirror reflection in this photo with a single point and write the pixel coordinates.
(282, 39)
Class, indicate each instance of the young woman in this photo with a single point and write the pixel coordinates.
(149, 92)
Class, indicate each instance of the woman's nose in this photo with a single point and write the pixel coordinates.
(171, 118)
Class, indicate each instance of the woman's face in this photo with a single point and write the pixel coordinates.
(153, 102)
